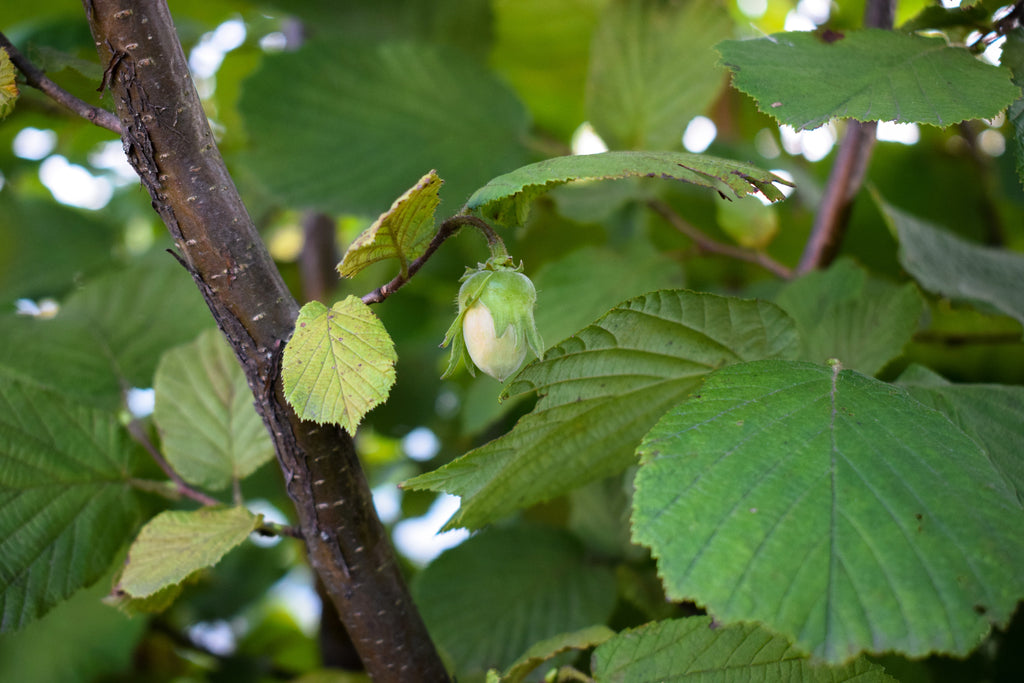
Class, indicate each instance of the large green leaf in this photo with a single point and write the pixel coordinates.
(842, 313)
(339, 364)
(489, 599)
(1013, 58)
(652, 69)
(347, 127)
(696, 649)
(66, 506)
(945, 264)
(831, 507)
(506, 199)
(804, 79)
(210, 432)
(402, 232)
(601, 390)
(991, 414)
(175, 544)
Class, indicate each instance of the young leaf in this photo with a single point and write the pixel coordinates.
(402, 232)
(804, 79)
(175, 544)
(339, 364)
(947, 265)
(8, 85)
(841, 313)
(506, 199)
(489, 599)
(698, 649)
(66, 505)
(652, 69)
(392, 111)
(832, 508)
(601, 390)
(546, 649)
(210, 433)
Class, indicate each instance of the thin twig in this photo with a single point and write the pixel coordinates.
(138, 433)
(712, 246)
(447, 229)
(35, 77)
(847, 175)
(272, 529)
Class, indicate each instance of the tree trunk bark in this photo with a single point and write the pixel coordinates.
(169, 143)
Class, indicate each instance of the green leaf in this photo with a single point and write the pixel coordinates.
(842, 313)
(339, 364)
(489, 599)
(210, 432)
(697, 649)
(947, 265)
(506, 199)
(805, 79)
(8, 85)
(832, 508)
(175, 544)
(1013, 58)
(66, 506)
(392, 109)
(652, 69)
(402, 232)
(546, 649)
(80, 641)
(991, 414)
(601, 390)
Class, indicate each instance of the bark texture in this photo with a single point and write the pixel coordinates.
(169, 143)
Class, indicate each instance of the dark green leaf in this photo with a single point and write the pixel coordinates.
(601, 390)
(489, 599)
(832, 508)
(652, 69)
(1013, 58)
(506, 199)
(805, 79)
(842, 313)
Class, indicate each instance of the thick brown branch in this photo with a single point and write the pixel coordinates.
(35, 77)
(712, 246)
(170, 145)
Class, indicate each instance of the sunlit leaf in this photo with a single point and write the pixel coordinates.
(8, 85)
(506, 199)
(696, 649)
(546, 649)
(175, 544)
(601, 390)
(339, 364)
(832, 508)
(652, 69)
(402, 232)
(210, 432)
(804, 79)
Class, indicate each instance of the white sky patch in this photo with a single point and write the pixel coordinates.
(754, 9)
(274, 42)
(270, 513)
(699, 134)
(140, 402)
(387, 500)
(74, 185)
(216, 636)
(421, 444)
(890, 131)
(34, 143)
(417, 538)
(992, 142)
(43, 309)
(993, 54)
(798, 22)
(817, 11)
(585, 140)
(783, 173)
(296, 594)
(109, 156)
(814, 145)
(207, 55)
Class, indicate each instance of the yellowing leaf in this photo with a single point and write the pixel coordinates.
(8, 87)
(402, 232)
(339, 364)
(175, 544)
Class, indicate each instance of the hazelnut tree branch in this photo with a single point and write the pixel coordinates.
(35, 77)
(169, 143)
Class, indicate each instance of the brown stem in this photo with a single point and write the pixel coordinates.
(712, 246)
(847, 176)
(447, 229)
(171, 147)
(138, 433)
(35, 77)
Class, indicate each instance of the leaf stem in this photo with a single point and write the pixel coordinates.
(712, 246)
(36, 77)
(181, 487)
(448, 228)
